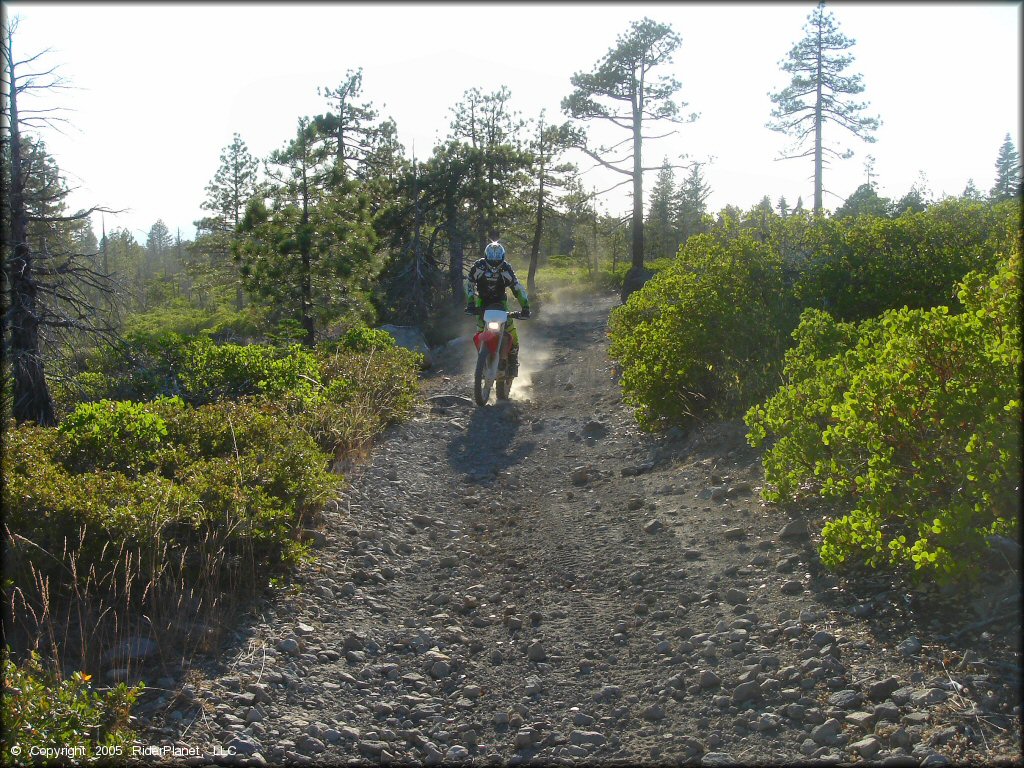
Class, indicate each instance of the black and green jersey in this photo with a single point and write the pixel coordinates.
(489, 282)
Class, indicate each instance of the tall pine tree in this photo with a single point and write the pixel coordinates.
(661, 236)
(234, 184)
(310, 252)
(1007, 184)
(815, 96)
(691, 204)
(625, 90)
(491, 129)
(550, 141)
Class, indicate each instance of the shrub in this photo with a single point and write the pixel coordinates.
(706, 333)
(709, 332)
(213, 372)
(363, 339)
(44, 714)
(177, 315)
(362, 393)
(197, 370)
(857, 267)
(914, 420)
(113, 435)
(237, 471)
(246, 464)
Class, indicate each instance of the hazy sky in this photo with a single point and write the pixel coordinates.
(160, 88)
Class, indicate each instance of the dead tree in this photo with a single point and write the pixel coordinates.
(46, 280)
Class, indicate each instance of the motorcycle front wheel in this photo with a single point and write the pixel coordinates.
(503, 386)
(481, 382)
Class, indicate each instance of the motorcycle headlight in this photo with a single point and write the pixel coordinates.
(494, 326)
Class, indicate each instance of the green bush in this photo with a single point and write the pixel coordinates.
(859, 266)
(113, 435)
(273, 470)
(362, 393)
(363, 339)
(913, 420)
(60, 721)
(706, 333)
(178, 315)
(709, 332)
(197, 370)
(209, 372)
(236, 471)
(169, 508)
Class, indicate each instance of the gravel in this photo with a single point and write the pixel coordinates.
(511, 585)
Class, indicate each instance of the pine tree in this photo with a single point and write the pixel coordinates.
(311, 251)
(1008, 169)
(350, 124)
(550, 142)
(158, 244)
(865, 201)
(625, 76)
(971, 192)
(759, 218)
(814, 95)
(662, 238)
(492, 131)
(228, 193)
(917, 199)
(48, 283)
(691, 204)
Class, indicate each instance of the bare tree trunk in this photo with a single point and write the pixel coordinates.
(538, 231)
(304, 245)
(31, 394)
(638, 196)
(32, 400)
(455, 258)
(637, 274)
(239, 293)
(818, 182)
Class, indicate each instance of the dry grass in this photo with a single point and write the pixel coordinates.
(138, 607)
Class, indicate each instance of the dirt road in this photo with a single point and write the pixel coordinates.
(538, 582)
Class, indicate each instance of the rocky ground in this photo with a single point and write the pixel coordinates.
(538, 582)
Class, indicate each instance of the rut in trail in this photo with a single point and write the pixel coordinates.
(538, 581)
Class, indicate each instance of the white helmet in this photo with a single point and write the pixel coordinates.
(494, 253)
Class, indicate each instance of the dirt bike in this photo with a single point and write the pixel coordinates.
(493, 345)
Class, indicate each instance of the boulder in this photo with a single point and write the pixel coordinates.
(410, 337)
(635, 280)
(132, 649)
(1007, 552)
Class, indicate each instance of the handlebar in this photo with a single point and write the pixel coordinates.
(517, 315)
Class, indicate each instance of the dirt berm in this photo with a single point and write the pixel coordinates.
(538, 582)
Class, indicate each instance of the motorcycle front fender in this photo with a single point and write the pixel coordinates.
(488, 338)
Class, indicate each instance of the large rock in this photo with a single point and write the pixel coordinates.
(635, 280)
(1007, 552)
(410, 337)
(133, 648)
(827, 734)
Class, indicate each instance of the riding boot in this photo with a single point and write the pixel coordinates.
(513, 361)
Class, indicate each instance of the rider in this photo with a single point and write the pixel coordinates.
(485, 286)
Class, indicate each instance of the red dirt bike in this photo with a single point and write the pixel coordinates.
(493, 345)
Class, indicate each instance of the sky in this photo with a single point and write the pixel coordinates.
(159, 89)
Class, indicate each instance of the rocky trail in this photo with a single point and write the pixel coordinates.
(538, 582)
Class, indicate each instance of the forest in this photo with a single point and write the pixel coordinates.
(178, 410)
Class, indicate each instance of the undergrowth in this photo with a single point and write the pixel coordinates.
(182, 479)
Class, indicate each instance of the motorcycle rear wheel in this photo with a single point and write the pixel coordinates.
(481, 384)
